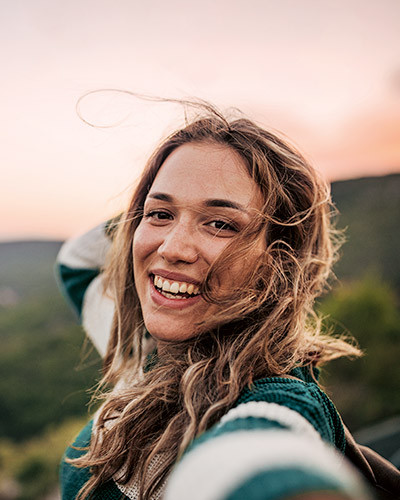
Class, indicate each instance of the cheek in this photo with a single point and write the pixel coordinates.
(240, 267)
(143, 245)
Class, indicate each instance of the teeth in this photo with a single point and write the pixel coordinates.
(172, 296)
(169, 289)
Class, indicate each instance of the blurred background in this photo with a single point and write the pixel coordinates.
(325, 73)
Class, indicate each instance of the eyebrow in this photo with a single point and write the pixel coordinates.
(218, 202)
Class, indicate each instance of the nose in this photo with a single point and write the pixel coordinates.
(179, 245)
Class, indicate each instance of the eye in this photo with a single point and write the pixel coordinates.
(158, 215)
(222, 225)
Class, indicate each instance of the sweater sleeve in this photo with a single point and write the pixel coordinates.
(267, 450)
(79, 265)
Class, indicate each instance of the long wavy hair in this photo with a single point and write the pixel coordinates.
(265, 326)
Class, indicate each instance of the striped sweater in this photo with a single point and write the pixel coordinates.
(283, 436)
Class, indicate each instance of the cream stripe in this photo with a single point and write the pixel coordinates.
(217, 466)
(97, 315)
(272, 411)
(87, 251)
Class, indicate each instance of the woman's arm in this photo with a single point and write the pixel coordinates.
(264, 451)
(79, 265)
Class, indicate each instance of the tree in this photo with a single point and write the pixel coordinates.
(367, 389)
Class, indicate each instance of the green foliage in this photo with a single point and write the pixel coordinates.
(370, 211)
(43, 377)
(34, 463)
(367, 389)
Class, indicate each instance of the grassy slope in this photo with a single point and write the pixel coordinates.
(43, 373)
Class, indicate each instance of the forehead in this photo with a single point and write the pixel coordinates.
(194, 172)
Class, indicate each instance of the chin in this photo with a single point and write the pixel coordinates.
(170, 334)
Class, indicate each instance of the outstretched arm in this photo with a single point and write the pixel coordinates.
(263, 450)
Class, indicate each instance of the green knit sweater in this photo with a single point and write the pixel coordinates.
(282, 437)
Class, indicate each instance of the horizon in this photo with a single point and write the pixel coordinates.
(61, 239)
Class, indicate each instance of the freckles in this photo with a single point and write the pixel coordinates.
(144, 244)
(138, 251)
(140, 239)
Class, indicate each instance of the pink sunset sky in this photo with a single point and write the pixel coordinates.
(324, 72)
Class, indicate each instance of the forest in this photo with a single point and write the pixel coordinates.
(48, 371)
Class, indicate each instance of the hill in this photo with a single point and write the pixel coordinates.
(370, 210)
(43, 373)
(41, 341)
(44, 377)
(26, 270)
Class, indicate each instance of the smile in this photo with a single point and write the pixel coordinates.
(178, 290)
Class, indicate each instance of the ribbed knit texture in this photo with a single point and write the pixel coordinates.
(74, 283)
(305, 398)
(73, 478)
(277, 484)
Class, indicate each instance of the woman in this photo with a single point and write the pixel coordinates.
(214, 345)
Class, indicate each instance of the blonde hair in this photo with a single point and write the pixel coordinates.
(264, 327)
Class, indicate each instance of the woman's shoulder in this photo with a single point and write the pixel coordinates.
(73, 478)
(283, 436)
(291, 399)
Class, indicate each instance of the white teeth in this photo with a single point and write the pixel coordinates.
(169, 289)
(172, 296)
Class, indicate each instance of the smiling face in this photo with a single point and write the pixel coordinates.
(200, 199)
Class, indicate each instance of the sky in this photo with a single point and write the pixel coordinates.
(326, 73)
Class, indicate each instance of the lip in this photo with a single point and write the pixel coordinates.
(175, 276)
(160, 300)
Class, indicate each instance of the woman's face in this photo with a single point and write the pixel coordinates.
(200, 199)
